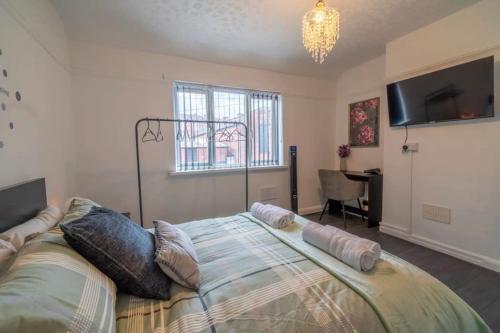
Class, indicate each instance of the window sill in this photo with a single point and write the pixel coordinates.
(210, 172)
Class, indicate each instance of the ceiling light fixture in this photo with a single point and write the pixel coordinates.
(320, 30)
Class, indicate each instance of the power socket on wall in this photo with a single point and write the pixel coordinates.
(410, 147)
(436, 213)
(269, 193)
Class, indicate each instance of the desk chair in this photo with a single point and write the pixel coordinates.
(336, 186)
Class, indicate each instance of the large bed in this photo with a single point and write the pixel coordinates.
(254, 279)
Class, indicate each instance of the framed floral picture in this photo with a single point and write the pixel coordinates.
(364, 123)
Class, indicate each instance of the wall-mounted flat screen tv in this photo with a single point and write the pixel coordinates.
(457, 93)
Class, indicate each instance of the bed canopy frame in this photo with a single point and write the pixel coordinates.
(154, 138)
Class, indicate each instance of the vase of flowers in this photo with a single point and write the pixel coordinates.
(344, 151)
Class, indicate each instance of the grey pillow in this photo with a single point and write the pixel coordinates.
(176, 256)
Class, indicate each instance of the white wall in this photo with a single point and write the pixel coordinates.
(458, 163)
(356, 84)
(35, 54)
(113, 88)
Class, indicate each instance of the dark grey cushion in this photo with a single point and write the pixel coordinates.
(120, 249)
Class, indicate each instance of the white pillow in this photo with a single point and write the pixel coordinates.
(6, 248)
(45, 220)
(77, 200)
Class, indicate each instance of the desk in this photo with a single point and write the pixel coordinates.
(374, 213)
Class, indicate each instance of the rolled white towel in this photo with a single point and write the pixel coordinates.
(359, 253)
(362, 242)
(275, 216)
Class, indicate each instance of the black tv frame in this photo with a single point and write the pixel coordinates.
(492, 58)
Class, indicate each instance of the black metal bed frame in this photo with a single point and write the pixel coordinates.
(167, 120)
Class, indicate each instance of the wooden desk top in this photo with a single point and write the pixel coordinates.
(360, 175)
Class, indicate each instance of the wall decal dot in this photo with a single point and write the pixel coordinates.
(4, 72)
(11, 125)
(1, 144)
(0, 51)
(18, 96)
(4, 107)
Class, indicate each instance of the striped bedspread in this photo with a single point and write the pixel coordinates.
(259, 279)
(254, 279)
(51, 288)
(251, 282)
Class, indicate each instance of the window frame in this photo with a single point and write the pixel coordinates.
(211, 166)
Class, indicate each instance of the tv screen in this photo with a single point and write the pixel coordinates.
(456, 93)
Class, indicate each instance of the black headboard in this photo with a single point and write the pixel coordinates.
(21, 202)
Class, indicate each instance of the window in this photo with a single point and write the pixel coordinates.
(201, 146)
(264, 138)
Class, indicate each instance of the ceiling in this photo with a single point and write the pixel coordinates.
(263, 34)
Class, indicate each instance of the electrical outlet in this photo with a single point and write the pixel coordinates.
(410, 147)
(268, 193)
(436, 213)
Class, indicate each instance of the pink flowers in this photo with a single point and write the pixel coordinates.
(363, 123)
(358, 116)
(344, 151)
(366, 135)
(372, 103)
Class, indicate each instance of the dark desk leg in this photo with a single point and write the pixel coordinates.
(375, 193)
(334, 207)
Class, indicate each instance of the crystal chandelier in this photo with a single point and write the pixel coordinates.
(320, 30)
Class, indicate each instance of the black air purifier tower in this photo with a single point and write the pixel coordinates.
(293, 179)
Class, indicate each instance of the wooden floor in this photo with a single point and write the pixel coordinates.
(479, 287)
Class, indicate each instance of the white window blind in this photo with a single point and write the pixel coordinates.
(203, 146)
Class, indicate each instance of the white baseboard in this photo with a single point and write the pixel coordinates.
(453, 251)
(310, 210)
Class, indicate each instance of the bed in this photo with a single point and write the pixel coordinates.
(259, 279)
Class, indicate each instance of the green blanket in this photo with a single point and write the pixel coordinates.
(258, 279)
(406, 298)
(51, 288)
